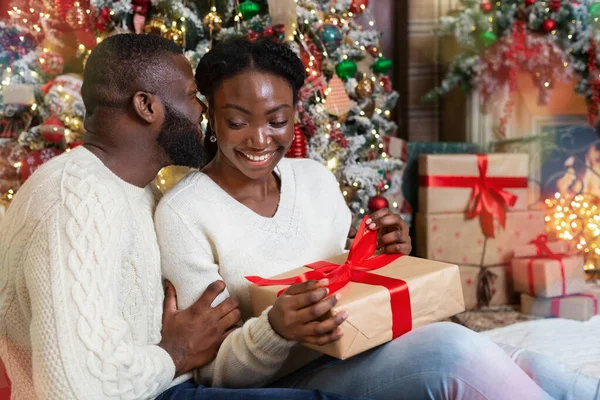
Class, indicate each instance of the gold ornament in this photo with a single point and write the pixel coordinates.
(169, 176)
(213, 21)
(155, 26)
(365, 88)
(76, 18)
(175, 35)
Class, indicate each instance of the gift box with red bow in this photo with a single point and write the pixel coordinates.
(385, 295)
(487, 286)
(546, 269)
(580, 307)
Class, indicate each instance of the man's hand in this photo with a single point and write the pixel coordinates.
(296, 313)
(393, 234)
(192, 337)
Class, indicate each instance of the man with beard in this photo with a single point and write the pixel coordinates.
(81, 297)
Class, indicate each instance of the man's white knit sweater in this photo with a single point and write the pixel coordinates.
(206, 235)
(80, 286)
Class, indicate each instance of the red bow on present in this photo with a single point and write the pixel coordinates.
(360, 259)
(488, 199)
(543, 251)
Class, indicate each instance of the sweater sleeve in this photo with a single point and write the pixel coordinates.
(81, 346)
(250, 355)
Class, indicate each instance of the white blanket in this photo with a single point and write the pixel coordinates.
(575, 343)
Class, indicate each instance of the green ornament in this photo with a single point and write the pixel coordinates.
(249, 9)
(382, 65)
(595, 10)
(487, 38)
(346, 69)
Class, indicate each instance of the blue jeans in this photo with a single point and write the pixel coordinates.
(191, 391)
(444, 361)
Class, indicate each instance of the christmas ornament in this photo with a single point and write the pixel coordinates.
(486, 7)
(51, 63)
(62, 7)
(372, 50)
(52, 130)
(487, 38)
(387, 85)
(213, 21)
(169, 177)
(276, 32)
(332, 19)
(549, 25)
(382, 65)
(249, 9)
(338, 137)
(377, 203)
(283, 12)
(595, 10)
(311, 57)
(76, 17)
(346, 69)
(529, 2)
(175, 35)
(103, 19)
(299, 146)
(337, 102)
(332, 37)
(155, 26)
(555, 5)
(35, 159)
(358, 6)
(365, 88)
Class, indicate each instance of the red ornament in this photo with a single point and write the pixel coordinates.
(311, 55)
(35, 159)
(299, 146)
(103, 19)
(529, 2)
(358, 6)
(486, 7)
(62, 7)
(53, 130)
(372, 50)
(555, 5)
(549, 25)
(377, 203)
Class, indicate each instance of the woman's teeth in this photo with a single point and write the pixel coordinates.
(257, 158)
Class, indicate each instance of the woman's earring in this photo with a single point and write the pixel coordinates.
(213, 138)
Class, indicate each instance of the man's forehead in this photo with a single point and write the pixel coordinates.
(178, 68)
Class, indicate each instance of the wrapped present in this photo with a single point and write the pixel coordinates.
(487, 286)
(455, 239)
(482, 186)
(546, 273)
(580, 307)
(385, 295)
(395, 147)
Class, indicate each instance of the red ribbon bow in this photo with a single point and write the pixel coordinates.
(543, 251)
(488, 199)
(360, 259)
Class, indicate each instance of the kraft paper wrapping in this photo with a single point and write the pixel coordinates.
(435, 294)
(577, 307)
(501, 285)
(530, 250)
(453, 238)
(547, 276)
(436, 200)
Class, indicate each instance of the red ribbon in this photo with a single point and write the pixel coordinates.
(360, 260)
(555, 305)
(544, 252)
(488, 199)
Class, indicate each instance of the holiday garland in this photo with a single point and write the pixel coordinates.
(549, 39)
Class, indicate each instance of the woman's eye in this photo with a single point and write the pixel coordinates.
(278, 124)
(234, 125)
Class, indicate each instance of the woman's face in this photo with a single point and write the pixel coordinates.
(253, 118)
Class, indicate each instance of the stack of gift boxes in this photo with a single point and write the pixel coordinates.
(473, 212)
(551, 281)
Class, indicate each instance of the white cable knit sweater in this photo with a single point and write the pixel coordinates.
(206, 235)
(80, 286)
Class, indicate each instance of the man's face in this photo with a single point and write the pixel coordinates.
(180, 135)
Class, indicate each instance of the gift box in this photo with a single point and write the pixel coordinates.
(580, 307)
(385, 296)
(456, 183)
(456, 239)
(395, 147)
(545, 269)
(487, 286)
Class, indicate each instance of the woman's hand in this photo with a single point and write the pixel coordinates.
(393, 234)
(296, 314)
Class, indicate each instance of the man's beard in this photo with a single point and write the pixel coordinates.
(181, 140)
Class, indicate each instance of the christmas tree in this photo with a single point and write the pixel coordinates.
(343, 113)
(549, 39)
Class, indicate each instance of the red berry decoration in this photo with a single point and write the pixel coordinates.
(549, 25)
(486, 7)
(377, 203)
(529, 2)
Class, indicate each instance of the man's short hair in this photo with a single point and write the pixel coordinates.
(123, 64)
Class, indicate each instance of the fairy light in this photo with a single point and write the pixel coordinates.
(332, 164)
